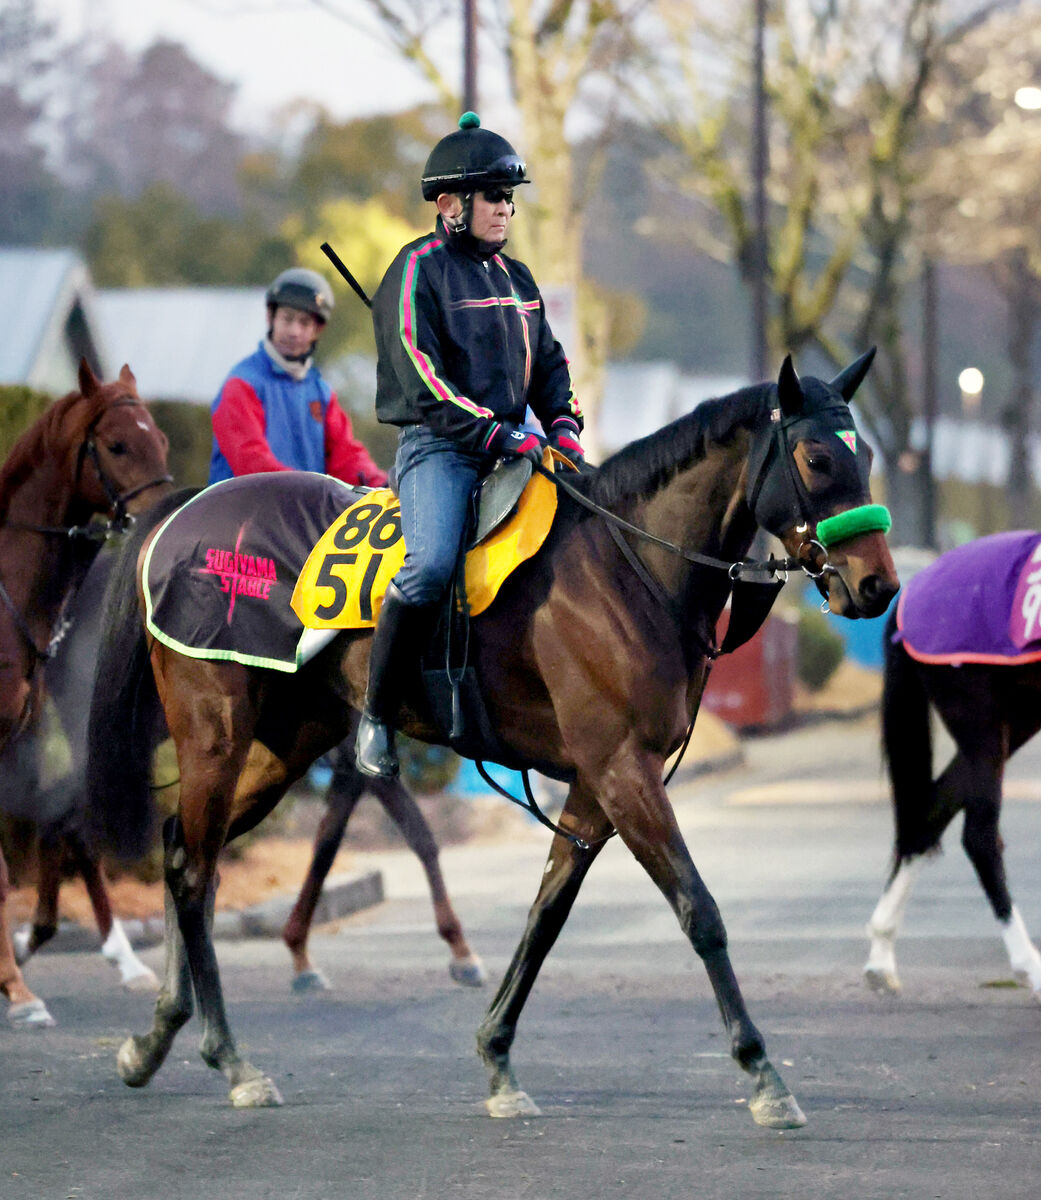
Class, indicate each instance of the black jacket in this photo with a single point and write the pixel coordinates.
(464, 345)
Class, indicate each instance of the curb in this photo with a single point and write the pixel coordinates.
(341, 896)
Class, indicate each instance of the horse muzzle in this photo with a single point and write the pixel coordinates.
(859, 579)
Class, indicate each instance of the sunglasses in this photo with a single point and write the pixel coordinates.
(494, 195)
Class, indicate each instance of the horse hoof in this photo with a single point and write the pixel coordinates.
(131, 1064)
(468, 972)
(311, 980)
(512, 1104)
(777, 1112)
(882, 981)
(31, 1014)
(255, 1093)
(773, 1106)
(144, 981)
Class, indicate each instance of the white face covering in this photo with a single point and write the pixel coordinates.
(295, 370)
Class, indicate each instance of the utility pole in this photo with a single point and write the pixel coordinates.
(469, 55)
(930, 394)
(760, 166)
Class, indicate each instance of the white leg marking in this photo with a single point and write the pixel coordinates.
(133, 973)
(20, 941)
(880, 969)
(1023, 955)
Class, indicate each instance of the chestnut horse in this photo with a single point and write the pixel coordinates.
(94, 452)
(592, 661)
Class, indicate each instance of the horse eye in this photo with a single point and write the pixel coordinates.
(117, 448)
(820, 463)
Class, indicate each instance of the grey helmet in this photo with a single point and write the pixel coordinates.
(471, 159)
(300, 288)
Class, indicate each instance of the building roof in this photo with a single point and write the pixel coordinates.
(180, 342)
(49, 318)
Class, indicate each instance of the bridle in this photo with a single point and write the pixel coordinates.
(806, 559)
(119, 521)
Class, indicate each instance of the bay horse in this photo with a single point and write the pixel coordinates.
(94, 452)
(987, 692)
(592, 660)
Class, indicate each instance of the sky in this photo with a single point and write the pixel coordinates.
(275, 50)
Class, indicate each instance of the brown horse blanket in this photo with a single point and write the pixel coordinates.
(220, 573)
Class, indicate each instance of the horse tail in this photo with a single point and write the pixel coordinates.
(126, 719)
(907, 748)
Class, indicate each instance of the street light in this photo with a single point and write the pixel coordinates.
(971, 383)
(1028, 98)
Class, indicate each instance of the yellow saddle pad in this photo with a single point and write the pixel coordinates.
(346, 574)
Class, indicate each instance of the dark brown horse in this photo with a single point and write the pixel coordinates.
(592, 660)
(96, 451)
(990, 704)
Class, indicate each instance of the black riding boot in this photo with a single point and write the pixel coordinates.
(396, 646)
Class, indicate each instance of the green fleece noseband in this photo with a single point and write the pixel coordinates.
(854, 523)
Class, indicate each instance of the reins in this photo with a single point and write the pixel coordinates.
(735, 569)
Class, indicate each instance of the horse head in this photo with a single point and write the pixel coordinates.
(808, 483)
(116, 454)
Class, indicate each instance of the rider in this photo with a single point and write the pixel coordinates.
(463, 345)
(275, 412)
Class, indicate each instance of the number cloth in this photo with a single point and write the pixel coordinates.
(344, 580)
(980, 603)
(220, 573)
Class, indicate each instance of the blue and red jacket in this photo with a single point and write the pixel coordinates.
(265, 420)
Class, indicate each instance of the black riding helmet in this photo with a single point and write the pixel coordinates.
(470, 160)
(303, 289)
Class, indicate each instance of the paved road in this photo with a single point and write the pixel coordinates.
(934, 1094)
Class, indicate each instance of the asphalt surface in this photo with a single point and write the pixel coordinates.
(932, 1094)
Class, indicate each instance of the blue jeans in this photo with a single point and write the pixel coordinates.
(436, 478)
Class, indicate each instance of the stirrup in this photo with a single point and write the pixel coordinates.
(374, 751)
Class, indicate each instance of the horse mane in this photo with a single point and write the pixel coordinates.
(42, 440)
(642, 467)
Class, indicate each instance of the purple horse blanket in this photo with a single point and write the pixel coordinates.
(979, 603)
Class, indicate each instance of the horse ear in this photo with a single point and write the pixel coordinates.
(789, 389)
(847, 381)
(89, 382)
(127, 376)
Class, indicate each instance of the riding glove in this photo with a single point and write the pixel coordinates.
(524, 445)
(563, 436)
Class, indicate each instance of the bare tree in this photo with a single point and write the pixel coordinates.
(852, 136)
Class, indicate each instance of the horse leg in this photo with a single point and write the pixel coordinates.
(50, 854)
(946, 800)
(561, 880)
(880, 972)
(344, 792)
(115, 945)
(211, 758)
(465, 967)
(141, 1056)
(639, 808)
(982, 843)
(26, 1010)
